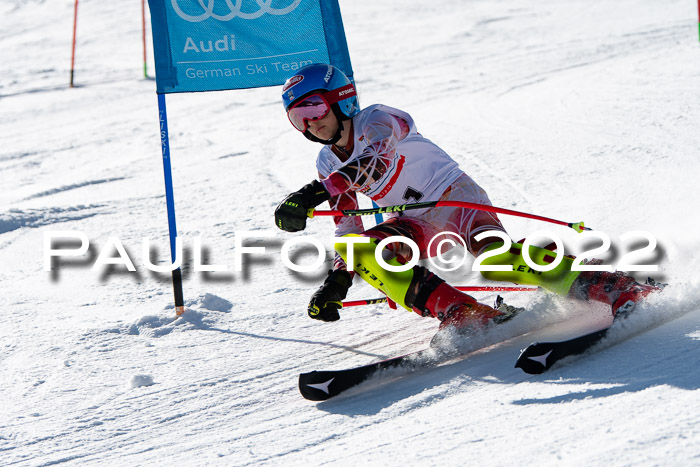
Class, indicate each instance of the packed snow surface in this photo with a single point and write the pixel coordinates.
(576, 110)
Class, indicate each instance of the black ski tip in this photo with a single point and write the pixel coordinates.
(316, 385)
(322, 385)
(534, 359)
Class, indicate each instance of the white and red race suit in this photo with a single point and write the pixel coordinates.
(391, 163)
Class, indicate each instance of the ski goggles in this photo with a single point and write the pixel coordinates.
(316, 106)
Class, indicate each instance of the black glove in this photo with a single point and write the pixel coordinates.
(326, 302)
(291, 214)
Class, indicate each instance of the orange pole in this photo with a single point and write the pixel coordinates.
(143, 27)
(72, 58)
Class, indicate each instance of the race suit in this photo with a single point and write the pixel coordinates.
(391, 163)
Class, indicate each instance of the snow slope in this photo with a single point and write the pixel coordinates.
(579, 110)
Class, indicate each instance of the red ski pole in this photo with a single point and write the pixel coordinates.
(577, 226)
(474, 288)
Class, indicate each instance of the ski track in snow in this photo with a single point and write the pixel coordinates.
(576, 110)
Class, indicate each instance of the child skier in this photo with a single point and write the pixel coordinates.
(379, 153)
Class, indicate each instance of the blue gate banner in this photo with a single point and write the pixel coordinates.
(212, 45)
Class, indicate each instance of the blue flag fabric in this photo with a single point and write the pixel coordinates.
(212, 45)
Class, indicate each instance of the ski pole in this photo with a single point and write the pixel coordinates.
(577, 226)
(473, 288)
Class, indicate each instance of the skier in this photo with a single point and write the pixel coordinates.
(378, 152)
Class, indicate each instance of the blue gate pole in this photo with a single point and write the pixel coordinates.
(170, 201)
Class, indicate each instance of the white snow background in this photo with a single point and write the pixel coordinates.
(577, 110)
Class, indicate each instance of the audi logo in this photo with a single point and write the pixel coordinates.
(234, 7)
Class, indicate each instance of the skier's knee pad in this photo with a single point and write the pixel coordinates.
(394, 284)
(558, 280)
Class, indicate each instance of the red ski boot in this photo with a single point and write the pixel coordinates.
(629, 298)
(619, 291)
(453, 308)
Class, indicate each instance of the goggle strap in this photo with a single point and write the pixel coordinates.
(337, 95)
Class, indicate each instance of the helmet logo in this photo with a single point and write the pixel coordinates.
(292, 81)
(329, 74)
(347, 91)
(290, 95)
